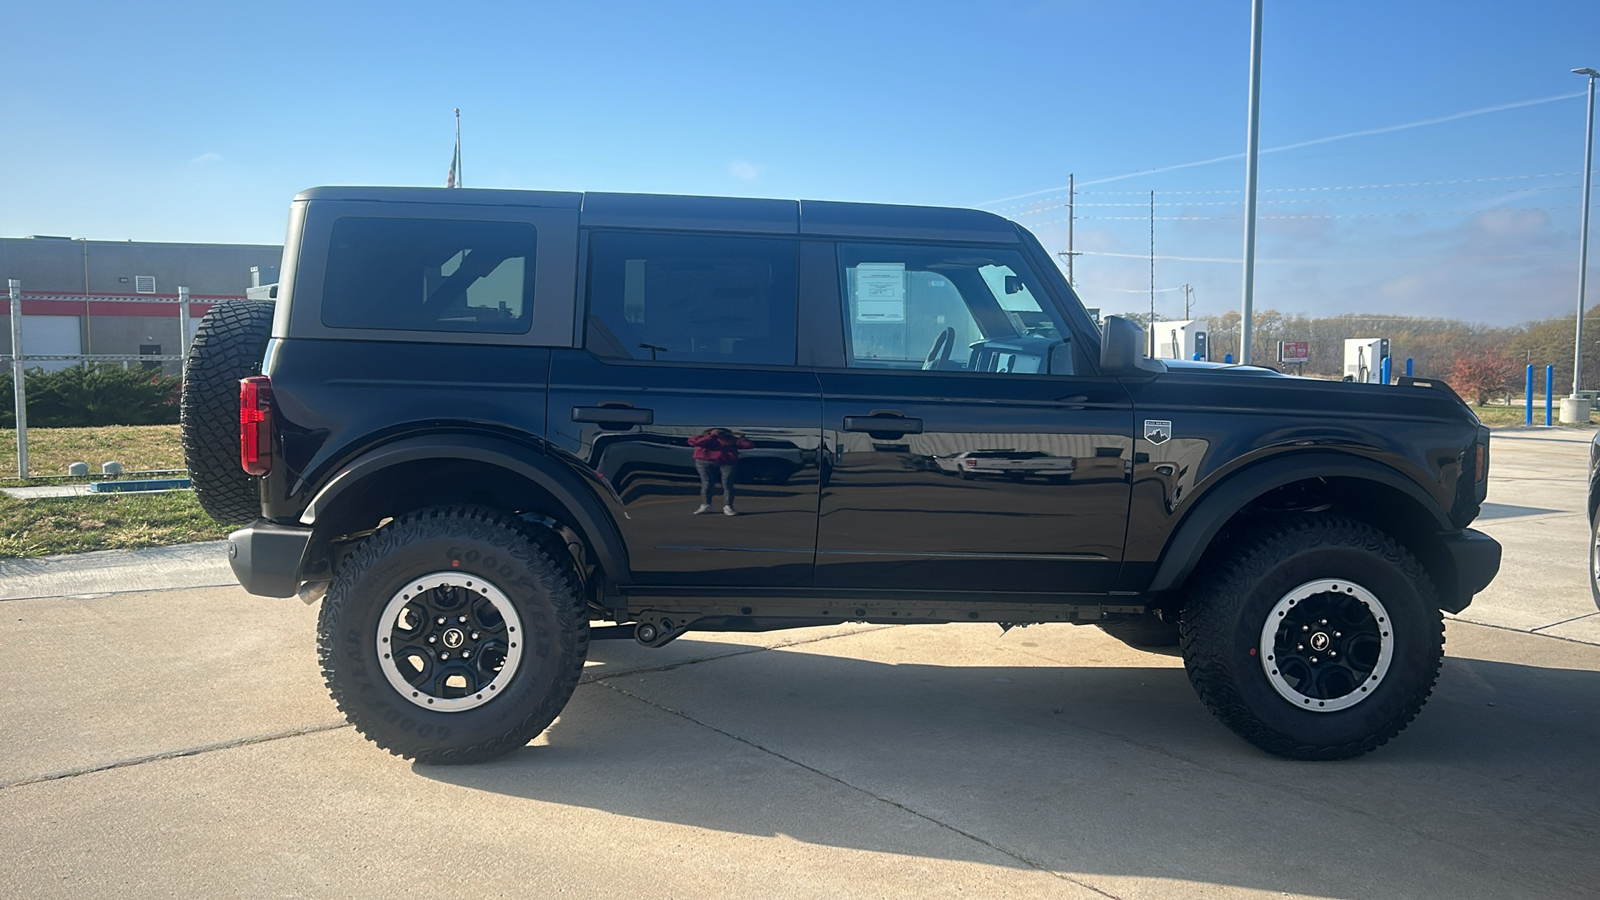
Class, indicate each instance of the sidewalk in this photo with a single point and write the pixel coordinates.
(117, 571)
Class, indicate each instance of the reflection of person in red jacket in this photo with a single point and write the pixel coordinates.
(716, 451)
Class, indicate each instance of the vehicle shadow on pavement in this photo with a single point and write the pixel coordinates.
(1114, 772)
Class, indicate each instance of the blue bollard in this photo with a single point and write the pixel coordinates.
(1384, 369)
(1527, 418)
(1549, 384)
(1408, 367)
(1228, 358)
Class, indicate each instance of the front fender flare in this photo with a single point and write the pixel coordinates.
(1217, 505)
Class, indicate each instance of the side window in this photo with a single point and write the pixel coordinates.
(692, 298)
(948, 309)
(430, 275)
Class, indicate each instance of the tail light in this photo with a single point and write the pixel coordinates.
(255, 424)
(1481, 468)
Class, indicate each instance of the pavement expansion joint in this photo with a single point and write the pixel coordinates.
(173, 754)
(889, 801)
(1533, 631)
(1541, 628)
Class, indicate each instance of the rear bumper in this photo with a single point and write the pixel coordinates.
(1475, 559)
(266, 557)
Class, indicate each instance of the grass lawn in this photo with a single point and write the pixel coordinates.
(50, 450)
(109, 522)
(1497, 416)
(99, 522)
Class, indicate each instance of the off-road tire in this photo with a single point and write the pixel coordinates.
(228, 346)
(1594, 560)
(1146, 632)
(1236, 591)
(528, 564)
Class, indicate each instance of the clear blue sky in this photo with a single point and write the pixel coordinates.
(198, 122)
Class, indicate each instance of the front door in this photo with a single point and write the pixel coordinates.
(958, 462)
(688, 405)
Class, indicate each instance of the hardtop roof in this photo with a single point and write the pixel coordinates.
(696, 213)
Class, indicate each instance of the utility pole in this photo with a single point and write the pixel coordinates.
(1188, 300)
(1251, 139)
(1152, 323)
(1071, 199)
(1575, 409)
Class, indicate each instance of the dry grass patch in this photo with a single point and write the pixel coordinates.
(49, 526)
(50, 450)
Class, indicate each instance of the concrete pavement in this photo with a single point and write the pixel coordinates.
(181, 743)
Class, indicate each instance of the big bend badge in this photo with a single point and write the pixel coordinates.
(1157, 431)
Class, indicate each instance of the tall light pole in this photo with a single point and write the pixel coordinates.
(1250, 182)
(1575, 409)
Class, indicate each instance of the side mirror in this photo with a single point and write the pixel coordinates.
(1122, 349)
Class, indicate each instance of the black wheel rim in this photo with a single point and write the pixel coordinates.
(1326, 645)
(449, 642)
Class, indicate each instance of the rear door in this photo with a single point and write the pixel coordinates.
(958, 462)
(690, 340)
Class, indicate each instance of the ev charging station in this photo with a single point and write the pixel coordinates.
(1180, 339)
(1363, 359)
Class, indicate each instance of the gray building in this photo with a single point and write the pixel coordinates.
(63, 277)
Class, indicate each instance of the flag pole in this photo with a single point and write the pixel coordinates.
(458, 147)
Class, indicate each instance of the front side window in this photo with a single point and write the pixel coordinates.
(692, 298)
(430, 275)
(948, 309)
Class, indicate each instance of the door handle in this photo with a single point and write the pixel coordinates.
(876, 425)
(613, 416)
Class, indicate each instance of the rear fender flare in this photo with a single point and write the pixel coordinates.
(586, 511)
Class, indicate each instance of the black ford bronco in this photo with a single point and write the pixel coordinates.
(487, 427)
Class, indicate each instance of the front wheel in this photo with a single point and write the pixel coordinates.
(1314, 637)
(453, 635)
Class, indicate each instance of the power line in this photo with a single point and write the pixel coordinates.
(1386, 215)
(1044, 202)
(1190, 203)
(1325, 260)
(1308, 143)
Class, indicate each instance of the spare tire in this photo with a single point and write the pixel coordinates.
(228, 346)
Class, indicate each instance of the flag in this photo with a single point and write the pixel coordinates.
(453, 179)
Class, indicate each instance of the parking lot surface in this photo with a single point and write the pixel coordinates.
(180, 742)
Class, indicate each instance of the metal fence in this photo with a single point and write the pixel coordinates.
(19, 358)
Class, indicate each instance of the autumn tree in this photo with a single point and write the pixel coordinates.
(1481, 375)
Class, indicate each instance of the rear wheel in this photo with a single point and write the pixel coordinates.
(453, 635)
(1314, 637)
(228, 346)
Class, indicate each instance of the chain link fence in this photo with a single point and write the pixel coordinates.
(19, 359)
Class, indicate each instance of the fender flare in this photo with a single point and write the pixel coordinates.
(1219, 504)
(587, 512)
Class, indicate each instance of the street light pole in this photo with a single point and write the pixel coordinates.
(1575, 409)
(1250, 183)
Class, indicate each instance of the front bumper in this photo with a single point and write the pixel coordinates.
(266, 557)
(1475, 559)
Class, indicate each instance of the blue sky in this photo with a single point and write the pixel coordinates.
(198, 122)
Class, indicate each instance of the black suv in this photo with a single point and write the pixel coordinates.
(474, 422)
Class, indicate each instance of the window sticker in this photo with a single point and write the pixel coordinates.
(880, 292)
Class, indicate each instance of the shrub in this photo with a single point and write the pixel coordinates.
(1482, 375)
(81, 396)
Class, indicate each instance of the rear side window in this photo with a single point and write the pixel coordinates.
(692, 298)
(430, 275)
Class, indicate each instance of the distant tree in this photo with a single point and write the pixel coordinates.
(1481, 375)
